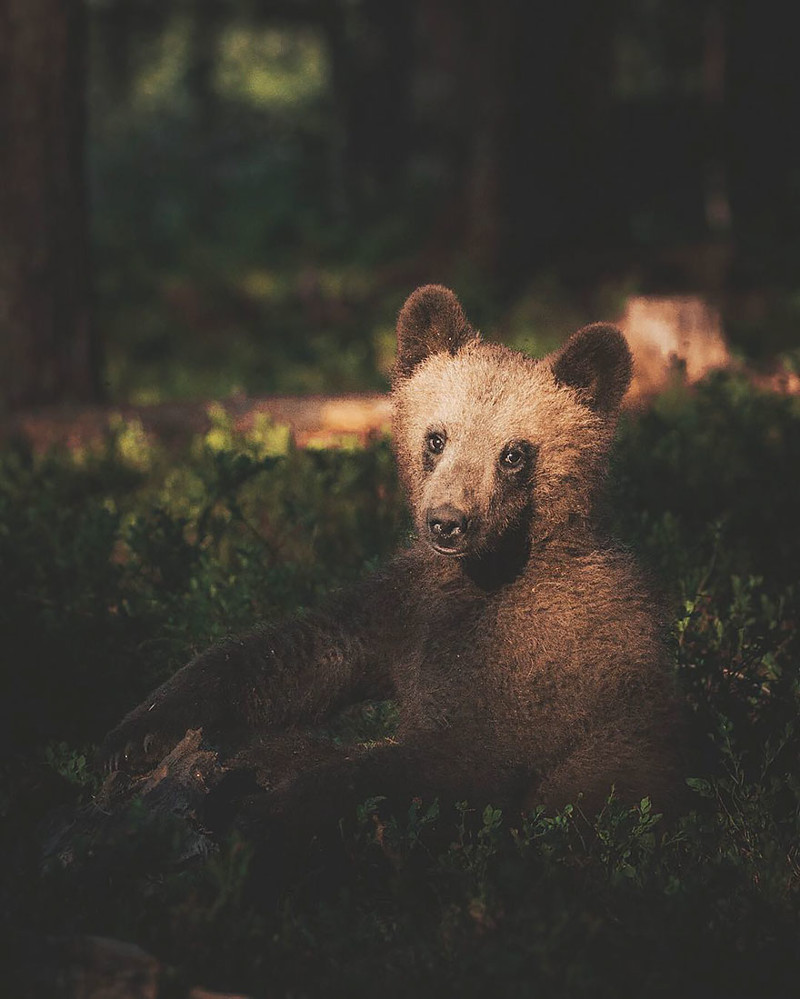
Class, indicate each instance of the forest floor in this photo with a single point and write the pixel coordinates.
(123, 558)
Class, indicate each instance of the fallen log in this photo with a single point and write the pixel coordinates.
(670, 337)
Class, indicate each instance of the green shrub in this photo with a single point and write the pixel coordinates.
(119, 563)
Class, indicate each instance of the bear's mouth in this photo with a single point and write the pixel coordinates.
(460, 552)
(489, 561)
(450, 530)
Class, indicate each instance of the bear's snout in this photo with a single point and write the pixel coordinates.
(447, 529)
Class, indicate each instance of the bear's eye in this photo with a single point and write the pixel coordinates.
(515, 455)
(435, 443)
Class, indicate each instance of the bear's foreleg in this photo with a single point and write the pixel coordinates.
(296, 673)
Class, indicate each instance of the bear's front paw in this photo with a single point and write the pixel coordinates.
(140, 741)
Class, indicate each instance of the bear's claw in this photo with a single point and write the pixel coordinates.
(116, 760)
(134, 754)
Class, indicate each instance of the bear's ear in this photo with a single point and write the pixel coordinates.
(431, 322)
(596, 361)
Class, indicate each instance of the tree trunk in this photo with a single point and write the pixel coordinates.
(371, 50)
(529, 90)
(762, 95)
(492, 28)
(48, 351)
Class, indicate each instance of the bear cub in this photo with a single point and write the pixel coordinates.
(524, 650)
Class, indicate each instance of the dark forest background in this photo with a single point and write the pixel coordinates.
(211, 199)
(200, 198)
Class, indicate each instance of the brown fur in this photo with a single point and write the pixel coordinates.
(525, 654)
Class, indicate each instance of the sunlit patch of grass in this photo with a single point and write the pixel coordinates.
(266, 285)
(132, 444)
(272, 68)
(146, 395)
(262, 439)
(268, 439)
(162, 74)
(342, 441)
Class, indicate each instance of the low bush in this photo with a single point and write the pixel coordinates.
(118, 563)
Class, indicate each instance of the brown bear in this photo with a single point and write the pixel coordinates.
(524, 650)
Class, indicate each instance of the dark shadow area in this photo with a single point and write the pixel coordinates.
(209, 200)
(267, 181)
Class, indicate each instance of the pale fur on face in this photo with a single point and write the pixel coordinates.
(481, 399)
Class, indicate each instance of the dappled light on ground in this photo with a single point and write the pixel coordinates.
(680, 338)
(674, 340)
(667, 333)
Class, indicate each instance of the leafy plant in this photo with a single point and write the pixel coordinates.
(119, 562)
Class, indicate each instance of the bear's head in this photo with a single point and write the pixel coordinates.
(493, 445)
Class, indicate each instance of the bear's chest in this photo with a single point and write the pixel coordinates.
(484, 663)
(458, 668)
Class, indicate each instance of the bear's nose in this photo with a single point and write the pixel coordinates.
(447, 526)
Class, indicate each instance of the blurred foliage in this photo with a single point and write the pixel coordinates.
(272, 68)
(229, 259)
(221, 263)
(119, 562)
(231, 254)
